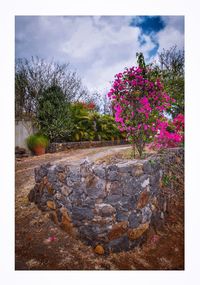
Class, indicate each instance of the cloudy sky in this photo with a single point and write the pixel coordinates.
(97, 47)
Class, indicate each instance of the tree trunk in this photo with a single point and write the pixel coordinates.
(133, 145)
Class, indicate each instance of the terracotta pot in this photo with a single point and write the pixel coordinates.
(39, 150)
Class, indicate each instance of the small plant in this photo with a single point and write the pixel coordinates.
(152, 162)
(37, 143)
(166, 180)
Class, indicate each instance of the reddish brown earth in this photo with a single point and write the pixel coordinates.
(164, 248)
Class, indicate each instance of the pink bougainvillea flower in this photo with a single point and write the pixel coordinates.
(139, 107)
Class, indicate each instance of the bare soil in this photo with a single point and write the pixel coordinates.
(42, 245)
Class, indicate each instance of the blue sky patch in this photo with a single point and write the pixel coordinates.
(141, 40)
(153, 51)
(149, 24)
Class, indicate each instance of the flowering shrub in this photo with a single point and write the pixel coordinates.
(169, 133)
(89, 106)
(139, 104)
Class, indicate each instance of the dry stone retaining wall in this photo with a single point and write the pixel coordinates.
(56, 147)
(108, 206)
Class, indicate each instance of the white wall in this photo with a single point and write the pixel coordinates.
(23, 129)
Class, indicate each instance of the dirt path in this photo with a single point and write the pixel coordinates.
(163, 250)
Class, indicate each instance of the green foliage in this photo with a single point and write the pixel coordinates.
(171, 71)
(53, 114)
(90, 125)
(37, 140)
(82, 123)
(166, 180)
(107, 128)
(174, 86)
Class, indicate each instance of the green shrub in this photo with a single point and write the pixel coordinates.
(53, 115)
(37, 140)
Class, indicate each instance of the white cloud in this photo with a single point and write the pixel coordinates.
(172, 34)
(176, 22)
(170, 37)
(97, 47)
(108, 44)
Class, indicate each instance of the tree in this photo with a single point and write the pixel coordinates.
(139, 102)
(171, 70)
(53, 114)
(34, 76)
(105, 104)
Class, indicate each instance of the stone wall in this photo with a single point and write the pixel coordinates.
(56, 147)
(110, 207)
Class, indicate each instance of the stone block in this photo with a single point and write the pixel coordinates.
(113, 176)
(99, 171)
(137, 170)
(40, 172)
(95, 187)
(115, 188)
(138, 232)
(89, 233)
(51, 205)
(105, 210)
(118, 230)
(80, 214)
(65, 190)
(126, 203)
(121, 216)
(143, 199)
(120, 244)
(113, 199)
(135, 219)
(131, 187)
(146, 214)
(125, 167)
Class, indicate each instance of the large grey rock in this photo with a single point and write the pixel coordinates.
(105, 210)
(131, 187)
(121, 216)
(116, 188)
(113, 199)
(76, 194)
(127, 203)
(113, 176)
(146, 213)
(88, 202)
(125, 167)
(112, 167)
(95, 187)
(119, 244)
(80, 214)
(73, 174)
(52, 175)
(135, 219)
(89, 233)
(151, 165)
(100, 171)
(40, 172)
(154, 179)
(60, 168)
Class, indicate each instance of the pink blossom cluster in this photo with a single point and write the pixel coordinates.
(169, 133)
(139, 104)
